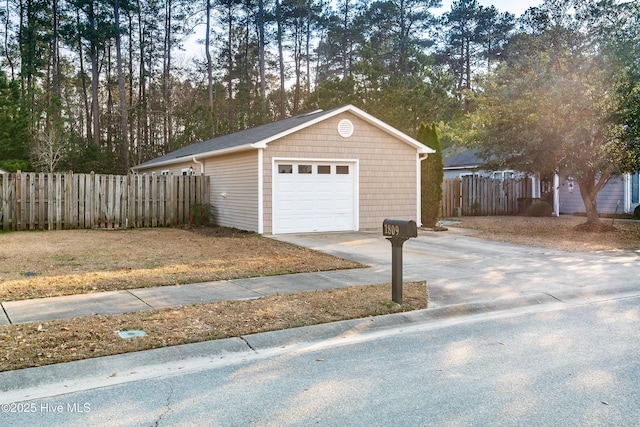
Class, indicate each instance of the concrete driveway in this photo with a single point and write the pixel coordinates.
(462, 269)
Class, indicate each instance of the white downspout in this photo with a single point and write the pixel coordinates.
(556, 194)
(627, 193)
(421, 158)
(200, 163)
(261, 192)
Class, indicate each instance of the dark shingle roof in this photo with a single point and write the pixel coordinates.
(238, 139)
(266, 133)
(461, 159)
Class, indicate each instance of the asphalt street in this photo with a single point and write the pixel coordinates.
(571, 364)
(514, 335)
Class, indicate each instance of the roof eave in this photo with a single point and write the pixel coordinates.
(189, 157)
(421, 148)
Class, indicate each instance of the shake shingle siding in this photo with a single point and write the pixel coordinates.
(386, 166)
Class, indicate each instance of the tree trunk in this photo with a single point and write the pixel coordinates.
(109, 123)
(55, 54)
(130, 103)
(308, 47)
(280, 24)
(143, 108)
(166, 78)
(345, 49)
(83, 80)
(207, 48)
(589, 189)
(7, 55)
(124, 119)
(230, 110)
(95, 78)
(263, 82)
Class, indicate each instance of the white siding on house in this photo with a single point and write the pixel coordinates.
(175, 169)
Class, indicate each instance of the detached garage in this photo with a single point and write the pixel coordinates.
(335, 170)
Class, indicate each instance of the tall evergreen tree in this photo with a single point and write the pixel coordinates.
(14, 127)
(432, 174)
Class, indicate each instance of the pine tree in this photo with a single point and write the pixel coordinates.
(432, 175)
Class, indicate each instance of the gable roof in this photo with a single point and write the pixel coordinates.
(261, 136)
(467, 159)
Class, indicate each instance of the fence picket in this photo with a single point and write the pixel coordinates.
(67, 200)
(475, 195)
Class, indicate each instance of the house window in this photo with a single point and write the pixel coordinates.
(635, 188)
(165, 172)
(305, 169)
(342, 170)
(324, 169)
(285, 168)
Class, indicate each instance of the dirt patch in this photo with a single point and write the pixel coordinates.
(38, 344)
(54, 263)
(564, 233)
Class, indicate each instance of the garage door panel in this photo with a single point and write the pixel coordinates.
(308, 202)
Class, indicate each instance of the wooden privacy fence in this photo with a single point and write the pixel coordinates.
(476, 195)
(55, 201)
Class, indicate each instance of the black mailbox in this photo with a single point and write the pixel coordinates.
(397, 231)
(404, 229)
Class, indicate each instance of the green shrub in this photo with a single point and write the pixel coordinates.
(200, 214)
(432, 173)
(539, 208)
(636, 212)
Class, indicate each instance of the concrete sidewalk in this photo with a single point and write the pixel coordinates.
(43, 309)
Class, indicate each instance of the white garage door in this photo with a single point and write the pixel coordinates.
(314, 196)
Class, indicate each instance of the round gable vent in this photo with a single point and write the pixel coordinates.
(345, 128)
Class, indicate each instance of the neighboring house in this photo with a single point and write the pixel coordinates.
(335, 170)
(460, 163)
(466, 162)
(620, 195)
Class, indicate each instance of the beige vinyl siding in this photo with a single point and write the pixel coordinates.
(387, 167)
(236, 176)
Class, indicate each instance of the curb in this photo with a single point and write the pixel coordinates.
(63, 378)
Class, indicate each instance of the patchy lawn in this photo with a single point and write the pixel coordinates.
(37, 264)
(57, 341)
(40, 264)
(554, 233)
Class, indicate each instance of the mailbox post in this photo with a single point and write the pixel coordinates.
(397, 232)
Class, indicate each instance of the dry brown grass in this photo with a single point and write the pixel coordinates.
(81, 261)
(554, 233)
(53, 263)
(57, 341)
(69, 262)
